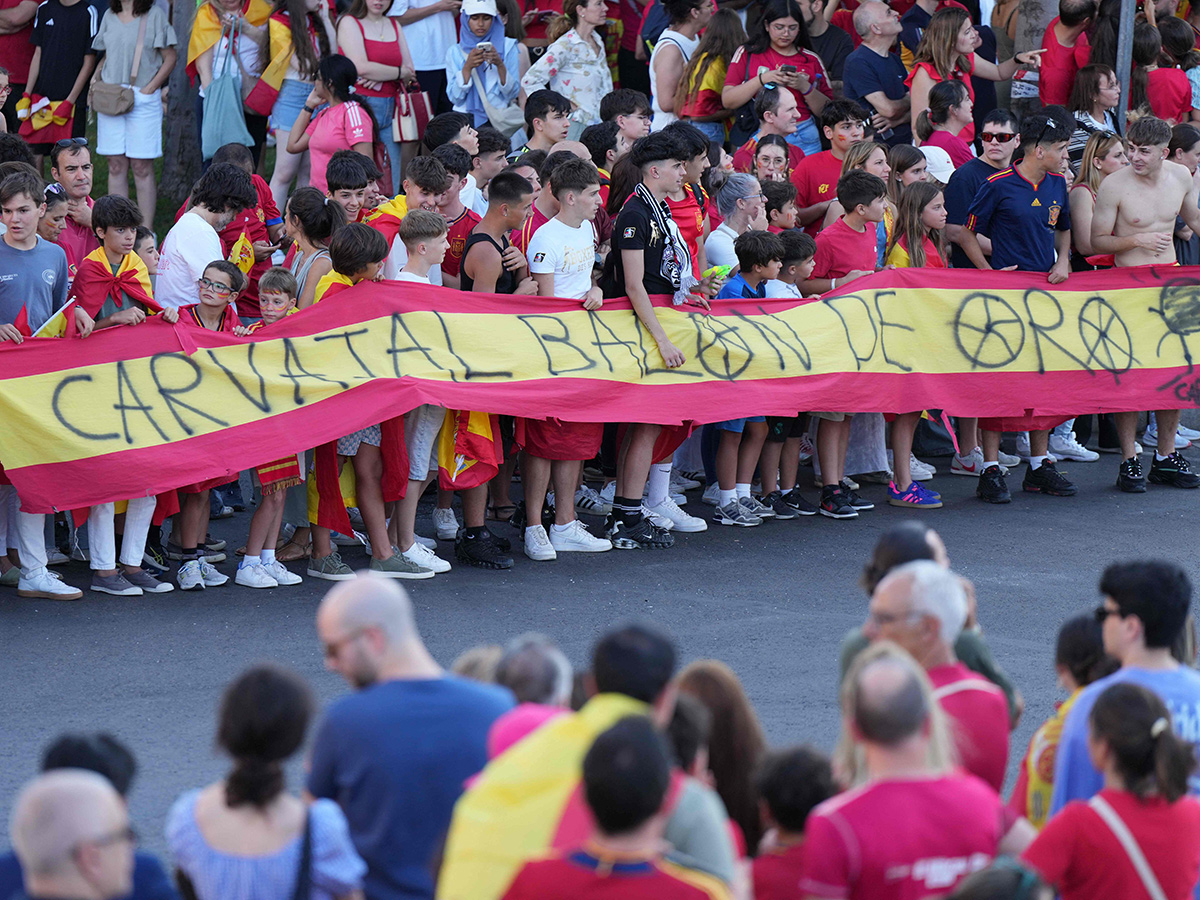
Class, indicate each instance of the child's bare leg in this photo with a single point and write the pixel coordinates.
(368, 472)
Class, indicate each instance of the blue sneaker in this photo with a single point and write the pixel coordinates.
(917, 496)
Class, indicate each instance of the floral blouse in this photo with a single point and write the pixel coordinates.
(577, 70)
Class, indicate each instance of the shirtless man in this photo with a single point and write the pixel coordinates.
(1134, 219)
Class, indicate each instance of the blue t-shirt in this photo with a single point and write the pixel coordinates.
(150, 881)
(867, 72)
(960, 193)
(912, 25)
(35, 280)
(1021, 218)
(736, 288)
(394, 756)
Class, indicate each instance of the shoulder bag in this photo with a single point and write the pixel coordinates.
(507, 119)
(117, 99)
(413, 112)
(1129, 844)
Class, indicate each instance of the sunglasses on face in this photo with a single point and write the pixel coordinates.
(1002, 136)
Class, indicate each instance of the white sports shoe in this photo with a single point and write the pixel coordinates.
(282, 573)
(969, 463)
(422, 540)
(588, 500)
(211, 577)
(47, 585)
(55, 557)
(1023, 451)
(1007, 461)
(446, 524)
(1151, 436)
(254, 577)
(1070, 448)
(575, 538)
(655, 519)
(189, 576)
(537, 544)
(1190, 433)
(679, 519)
(711, 494)
(423, 556)
(679, 483)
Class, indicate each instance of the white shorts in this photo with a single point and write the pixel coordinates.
(137, 134)
(422, 427)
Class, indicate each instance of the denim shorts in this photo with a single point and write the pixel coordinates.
(806, 136)
(292, 94)
(739, 425)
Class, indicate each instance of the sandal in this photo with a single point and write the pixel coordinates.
(494, 512)
(292, 551)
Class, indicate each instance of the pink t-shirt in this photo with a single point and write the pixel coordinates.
(959, 150)
(902, 840)
(979, 712)
(335, 128)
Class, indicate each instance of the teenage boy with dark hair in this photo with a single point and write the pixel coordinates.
(561, 257)
(791, 784)
(460, 221)
(1024, 208)
(547, 115)
(605, 144)
(346, 183)
(375, 194)
(779, 199)
(424, 183)
(760, 255)
(817, 176)
(485, 165)
(451, 128)
(631, 111)
(649, 256)
(545, 207)
(33, 290)
(626, 776)
(491, 263)
(845, 251)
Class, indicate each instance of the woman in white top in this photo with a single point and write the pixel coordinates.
(672, 51)
(482, 50)
(739, 200)
(137, 135)
(575, 64)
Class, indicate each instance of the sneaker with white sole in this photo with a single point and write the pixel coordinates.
(588, 500)
(970, 464)
(537, 544)
(55, 557)
(189, 576)
(807, 449)
(1190, 433)
(577, 539)
(1023, 451)
(733, 513)
(680, 520)
(211, 577)
(607, 494)
(711, 495)
(399, 566)
(114, 584)
(148, 583)
(281, 573)
(421, 539)
(1007, 461)
(255, 576)
(755, 508)
(1070, 448)
(46, 585)
(681, 483)
(655, 519)
(1151, 436)
(329, 568)
(446, 524)
(423, 556)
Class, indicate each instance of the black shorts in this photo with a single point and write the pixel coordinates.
(780, 428)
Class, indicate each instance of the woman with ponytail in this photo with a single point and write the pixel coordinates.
(575, 64)
(245, 837)
(950, 111)
(1138, 836)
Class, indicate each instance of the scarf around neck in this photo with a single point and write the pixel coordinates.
(676, 259)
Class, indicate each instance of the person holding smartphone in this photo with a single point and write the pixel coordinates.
(485, 51)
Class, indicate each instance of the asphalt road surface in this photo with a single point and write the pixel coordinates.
(773, 602)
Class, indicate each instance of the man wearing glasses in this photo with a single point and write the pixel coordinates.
(1000, 136)
(70, 830)
(1142, 616)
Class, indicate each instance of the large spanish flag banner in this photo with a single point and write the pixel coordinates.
(125, 412)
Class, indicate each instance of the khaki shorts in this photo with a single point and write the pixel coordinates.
(831, 416)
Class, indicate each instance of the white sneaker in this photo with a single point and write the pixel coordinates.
(607, 493)
(1023, 452)
(210, 576)
(55, 557)
(537, 544)
(1151, 436)
(423, 556)
(970, 464)
(680, 520)
(711, 494)
(588, 500)
(422, 540)
(1069, 448)
(679, 483)
(255, 576)
(190, 578)
(46, 585)
(348, 540)
(1007, 461)
(807, 449)
(1190, 433)
(655, 519)
(576, 538)
(282, 573)
(446, 524)
(921, 471)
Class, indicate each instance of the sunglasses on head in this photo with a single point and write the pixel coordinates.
(1002, 136)
(70, 142)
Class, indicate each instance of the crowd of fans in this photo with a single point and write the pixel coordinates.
(762, 150)
(514, 776)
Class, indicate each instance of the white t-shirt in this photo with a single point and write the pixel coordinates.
(777, 289)
(412, 276)
(429, 38)
(718, 246)
(188, 249)
(567, 253)
(398, 258)
(472, 197)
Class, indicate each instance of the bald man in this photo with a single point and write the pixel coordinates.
(916, 827)
(874, 76)
(395, 753)
(70, 830)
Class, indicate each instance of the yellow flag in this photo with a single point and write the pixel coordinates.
(241, 254)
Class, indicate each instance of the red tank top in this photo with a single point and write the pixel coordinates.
(385, 53)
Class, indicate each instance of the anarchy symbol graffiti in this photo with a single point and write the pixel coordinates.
(988, 331)
(1105, 336)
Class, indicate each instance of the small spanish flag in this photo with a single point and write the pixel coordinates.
(95, 282)
(241, 254)
(469, 449)
(386, 217)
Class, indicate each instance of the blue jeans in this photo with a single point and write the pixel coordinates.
(806, 137)
(384, 110)
(714, 131)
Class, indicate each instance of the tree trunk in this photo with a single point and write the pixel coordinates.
(181, 163)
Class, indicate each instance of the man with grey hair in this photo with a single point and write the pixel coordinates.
(922, 607)
(739, 200)
(536, 671)
(70, 830)
(395, 753)
(874, 76)
(916, 827)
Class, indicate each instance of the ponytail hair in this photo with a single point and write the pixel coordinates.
(943, 96)
(318, 216)
(1136, 726)
(560, 25)
(264, 715)
(1147, 44)
(1179, 42)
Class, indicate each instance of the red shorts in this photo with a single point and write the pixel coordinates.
(1022, 423)
(668, 441)
(552, 439)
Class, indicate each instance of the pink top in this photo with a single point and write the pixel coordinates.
(335, 128)
(959, 150)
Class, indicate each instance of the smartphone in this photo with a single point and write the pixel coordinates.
(788, 70)
(485, 46)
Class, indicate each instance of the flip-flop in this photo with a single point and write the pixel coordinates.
(291, 551)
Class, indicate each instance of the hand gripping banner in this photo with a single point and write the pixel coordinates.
(136, 410)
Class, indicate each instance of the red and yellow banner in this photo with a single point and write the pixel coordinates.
(125, 413)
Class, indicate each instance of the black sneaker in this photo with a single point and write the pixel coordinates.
(1130, 478)
(797, 502)
(1173, 471)
(641, 535)
(835, 503)
(484, 551)
(518, 517)
(779, 505)
(1046, 479)
(154, 559)
(991, 487)
(853, 499)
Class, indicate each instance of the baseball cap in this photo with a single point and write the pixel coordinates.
(479, 8)
(937, 161)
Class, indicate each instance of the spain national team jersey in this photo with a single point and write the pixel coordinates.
(1021, 218)
(458, 232)
(589, 874)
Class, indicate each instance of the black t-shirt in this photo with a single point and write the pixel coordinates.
(833, 47)
(65, 34)
(867, 72)
(960, 193)
(635, 229)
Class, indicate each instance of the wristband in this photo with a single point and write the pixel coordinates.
(761, 83)
(809, 91)
(309, 110)
(832, 283)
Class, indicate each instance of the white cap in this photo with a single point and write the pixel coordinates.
(480, 8)
(937, 161)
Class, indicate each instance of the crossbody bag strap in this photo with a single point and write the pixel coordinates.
(303, 889)
(1129, 844)
(137, 53)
